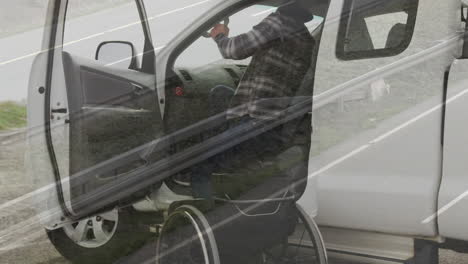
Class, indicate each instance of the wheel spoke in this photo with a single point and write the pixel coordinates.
(79, 233)
(99, 233)
(102, 227)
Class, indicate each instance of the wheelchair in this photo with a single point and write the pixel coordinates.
(251, 219)
(291, 236)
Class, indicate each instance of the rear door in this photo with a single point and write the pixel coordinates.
(103, 99)
(453, 203)
(379, 87)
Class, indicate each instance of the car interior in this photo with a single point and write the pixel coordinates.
(114, 110)
(212, 71)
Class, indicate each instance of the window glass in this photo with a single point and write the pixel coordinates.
(168, 18)
(89, 24)
(205, 51)
(376, 28)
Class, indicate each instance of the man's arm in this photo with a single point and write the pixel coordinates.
(245, 45)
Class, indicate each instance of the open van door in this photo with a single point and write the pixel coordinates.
(100, 102)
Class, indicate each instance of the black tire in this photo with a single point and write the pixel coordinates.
(129, 235)
(186, 238)
(304, 245)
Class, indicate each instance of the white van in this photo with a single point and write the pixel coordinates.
(387, 146)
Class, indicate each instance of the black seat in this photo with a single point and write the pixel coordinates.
(396, 36)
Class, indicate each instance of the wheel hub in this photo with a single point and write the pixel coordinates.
(94, 231)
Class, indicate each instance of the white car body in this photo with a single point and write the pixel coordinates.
(403, 178)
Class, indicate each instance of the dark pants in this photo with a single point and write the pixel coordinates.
(263, 147)
(219, 100)
(250, 152)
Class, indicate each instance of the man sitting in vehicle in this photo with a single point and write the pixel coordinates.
(281, 48)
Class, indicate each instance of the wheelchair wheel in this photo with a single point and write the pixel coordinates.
(304, 246)
(186, 238)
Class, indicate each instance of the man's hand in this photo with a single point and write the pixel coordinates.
(219, 29)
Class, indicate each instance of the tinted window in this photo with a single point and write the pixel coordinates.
(370, 29)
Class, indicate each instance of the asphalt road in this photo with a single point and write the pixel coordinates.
(42, 252)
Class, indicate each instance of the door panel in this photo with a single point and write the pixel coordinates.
(108, 113)
(100, 89)
(112, 111)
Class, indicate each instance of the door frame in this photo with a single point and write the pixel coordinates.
(186, 37)
(53, 45)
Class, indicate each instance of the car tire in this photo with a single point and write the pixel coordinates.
(119, 239)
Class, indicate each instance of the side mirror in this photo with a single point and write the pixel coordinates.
(119, 54)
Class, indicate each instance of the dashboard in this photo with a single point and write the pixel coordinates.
(188, 91)
(200, 80)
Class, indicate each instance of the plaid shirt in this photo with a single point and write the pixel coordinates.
(281, 51)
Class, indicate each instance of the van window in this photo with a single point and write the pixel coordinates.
(370, 28)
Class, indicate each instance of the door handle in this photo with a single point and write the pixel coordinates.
(59, 111)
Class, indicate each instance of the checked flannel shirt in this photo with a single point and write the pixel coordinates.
(281, 51)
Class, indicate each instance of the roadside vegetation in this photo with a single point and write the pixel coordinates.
(12, 115)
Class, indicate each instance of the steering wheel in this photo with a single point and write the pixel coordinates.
(207, 34)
